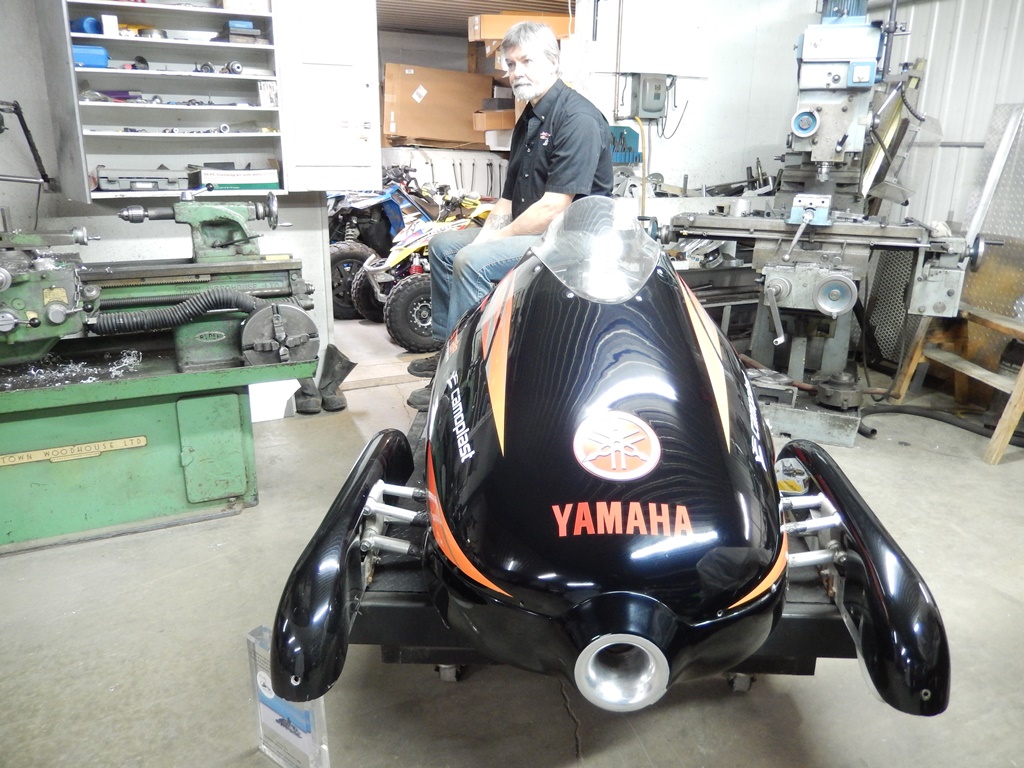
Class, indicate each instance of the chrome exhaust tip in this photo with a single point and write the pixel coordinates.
(621, 672)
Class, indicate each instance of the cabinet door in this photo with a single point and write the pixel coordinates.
(330, 94)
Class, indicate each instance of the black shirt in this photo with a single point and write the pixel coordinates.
(562, 145)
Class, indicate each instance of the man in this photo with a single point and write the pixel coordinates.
(560, 151)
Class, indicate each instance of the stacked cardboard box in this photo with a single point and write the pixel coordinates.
(433, 107)
(445, 108)
(493, 26)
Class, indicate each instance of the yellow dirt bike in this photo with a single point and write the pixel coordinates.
(395, 289)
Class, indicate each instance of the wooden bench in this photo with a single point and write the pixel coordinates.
(946, 346)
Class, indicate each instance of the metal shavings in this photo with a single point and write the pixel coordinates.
(130, 360)
(54, 371)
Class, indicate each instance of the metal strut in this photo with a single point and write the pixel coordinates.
(13, 107)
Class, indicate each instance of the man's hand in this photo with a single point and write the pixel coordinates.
(533, 221)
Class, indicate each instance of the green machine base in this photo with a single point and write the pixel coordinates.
(87, 459)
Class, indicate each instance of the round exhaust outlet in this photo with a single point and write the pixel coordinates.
(622, 673)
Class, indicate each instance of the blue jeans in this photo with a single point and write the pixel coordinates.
(461, 273)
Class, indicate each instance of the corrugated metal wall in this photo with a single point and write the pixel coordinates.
(975, 60)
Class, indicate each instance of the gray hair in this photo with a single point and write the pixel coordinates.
(531, 34)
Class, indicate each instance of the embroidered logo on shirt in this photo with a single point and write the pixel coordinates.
(544, 137)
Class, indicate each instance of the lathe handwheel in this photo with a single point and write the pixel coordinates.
(271, 215)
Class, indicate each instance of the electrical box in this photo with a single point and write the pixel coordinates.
(649, 98)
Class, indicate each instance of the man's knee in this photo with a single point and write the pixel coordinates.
(469, 261)
(445, 245)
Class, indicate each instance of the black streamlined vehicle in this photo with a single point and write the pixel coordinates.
(595, 495)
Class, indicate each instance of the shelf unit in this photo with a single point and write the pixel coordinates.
(176, 115)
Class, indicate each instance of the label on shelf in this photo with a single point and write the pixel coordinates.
(268, 93)
(257, 178)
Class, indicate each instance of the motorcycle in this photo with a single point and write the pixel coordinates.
(594, 494)
(396, 290)
(362, 226)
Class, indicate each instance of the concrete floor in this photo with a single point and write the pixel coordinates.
(131, 651)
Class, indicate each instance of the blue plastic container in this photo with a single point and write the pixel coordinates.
(88, 24)
(90, 56)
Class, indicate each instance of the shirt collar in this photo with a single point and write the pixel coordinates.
(548, 100)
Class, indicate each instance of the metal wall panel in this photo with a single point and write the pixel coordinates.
(974, 51)
(975, 54)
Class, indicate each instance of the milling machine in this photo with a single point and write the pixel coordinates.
(124, 385)
(818, 246)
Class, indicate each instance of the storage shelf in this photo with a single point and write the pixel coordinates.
(108, 41)
(186, 108)
(154, 8)
(133, 135)
(173, 73)
(257, 193)
(315, 142)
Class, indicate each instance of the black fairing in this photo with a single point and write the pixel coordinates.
(567, 358)
(311, 630)
(886, 604)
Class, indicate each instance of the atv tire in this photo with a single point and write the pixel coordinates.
(407, 314)
(347, 258)
(364, 299)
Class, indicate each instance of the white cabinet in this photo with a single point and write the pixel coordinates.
(330, 94)
(176, 93)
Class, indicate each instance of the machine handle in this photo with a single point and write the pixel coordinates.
(771, 292)
(9, 321)
(808, 215)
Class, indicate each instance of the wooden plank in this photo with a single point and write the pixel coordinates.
(1007, 423)
(914, 357)
(1008, 325)
(995, 380)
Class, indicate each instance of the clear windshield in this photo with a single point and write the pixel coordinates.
(597, 252)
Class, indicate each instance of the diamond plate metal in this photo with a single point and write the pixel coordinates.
(887, 316)
(999, 283)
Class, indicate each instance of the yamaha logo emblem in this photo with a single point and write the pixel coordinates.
(616, 446)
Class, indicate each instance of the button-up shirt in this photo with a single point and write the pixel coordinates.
(562, 145)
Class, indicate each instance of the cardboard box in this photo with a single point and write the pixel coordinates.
(490, 105)
(499, 141)
(437, 104)
(246, 6)
(259, 178)
(493, 26)
(494, 120)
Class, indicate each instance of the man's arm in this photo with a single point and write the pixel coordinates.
(533, 221)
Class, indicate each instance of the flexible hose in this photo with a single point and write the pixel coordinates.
(171, 317)
(928, 413)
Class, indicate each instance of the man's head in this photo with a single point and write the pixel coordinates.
(531, 59)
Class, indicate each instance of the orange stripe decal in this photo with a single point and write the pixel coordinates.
(497, 323)
(497, 371)
(773, 575)
(711, 349)
(446, 539)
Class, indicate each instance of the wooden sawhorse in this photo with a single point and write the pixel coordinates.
(928, 346)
